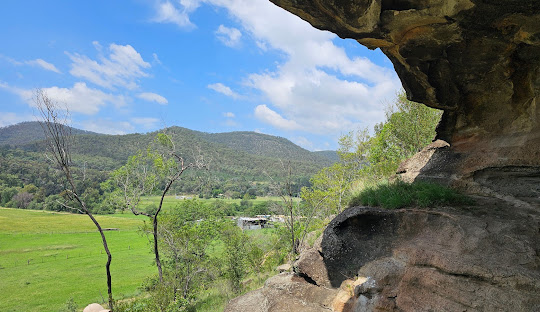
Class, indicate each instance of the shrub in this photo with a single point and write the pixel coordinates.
(400, 194)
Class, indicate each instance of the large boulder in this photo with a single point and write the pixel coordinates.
(477, 60)
(285, 292)
(484, 257)
(480, 258)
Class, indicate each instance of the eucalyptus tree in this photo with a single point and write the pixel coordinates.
(144, 173)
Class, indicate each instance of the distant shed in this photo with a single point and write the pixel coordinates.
(252, 223)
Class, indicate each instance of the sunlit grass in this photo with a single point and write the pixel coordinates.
(46, 258)
(399, 194)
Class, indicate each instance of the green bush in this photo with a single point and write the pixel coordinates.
(400, 194)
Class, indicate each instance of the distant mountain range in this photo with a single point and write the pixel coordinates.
(248, 156)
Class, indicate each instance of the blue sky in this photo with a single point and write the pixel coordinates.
(128, 66)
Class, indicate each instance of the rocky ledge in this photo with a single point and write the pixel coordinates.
(484, 257)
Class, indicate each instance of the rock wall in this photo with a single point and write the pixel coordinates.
(476, 258)
(478, 60)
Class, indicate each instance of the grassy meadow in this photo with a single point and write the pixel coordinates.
(46, 258)
(171, 201)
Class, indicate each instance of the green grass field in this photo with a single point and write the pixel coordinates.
(171, 200)
(46, 258)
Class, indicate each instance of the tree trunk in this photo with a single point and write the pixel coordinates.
(156, 250)
(109, 259)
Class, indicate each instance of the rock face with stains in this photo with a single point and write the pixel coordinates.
(478, 60)
(474, 258)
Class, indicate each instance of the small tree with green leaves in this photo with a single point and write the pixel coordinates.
(159, 165)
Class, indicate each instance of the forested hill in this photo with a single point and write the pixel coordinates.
(331, 155)
(237, 157)
(263, 145)
(28, 132)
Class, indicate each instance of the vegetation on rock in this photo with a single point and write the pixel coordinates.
(400, 194)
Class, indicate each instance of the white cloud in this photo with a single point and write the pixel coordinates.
(153, 97)
(145, 122)
(266, 115)
(80, 98)
(229, 36)
(229, 115)
(319, 87)
(8, 118)
(37, 62)
(223, 89)
(167, 12)
(107, 126)
(121, 68)
(43, 64)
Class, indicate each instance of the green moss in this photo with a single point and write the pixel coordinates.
(400, 194)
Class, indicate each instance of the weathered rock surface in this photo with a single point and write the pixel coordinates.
(285, 292)
(479, 258)
(478, 60)
(483, 258)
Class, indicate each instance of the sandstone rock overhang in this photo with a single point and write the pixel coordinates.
(478, 60)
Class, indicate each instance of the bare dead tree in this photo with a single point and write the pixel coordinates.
(59, 140)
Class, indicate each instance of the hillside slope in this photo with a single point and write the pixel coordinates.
(232, 159)
(29, 132)
(263, 145)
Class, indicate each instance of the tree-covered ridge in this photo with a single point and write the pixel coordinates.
(333, 156)
(250, 148)
(28, 132)
(232, 171)
(263, 145)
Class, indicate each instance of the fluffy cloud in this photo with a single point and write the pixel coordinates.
(223, 89)
(79, 99)
(167, 12)
(43, 64)
(319, 88)
(229, 115)
(266, 115)
(153, 97)
(228, 36)
(121, 68)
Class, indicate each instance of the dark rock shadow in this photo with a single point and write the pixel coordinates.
(355, 237)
